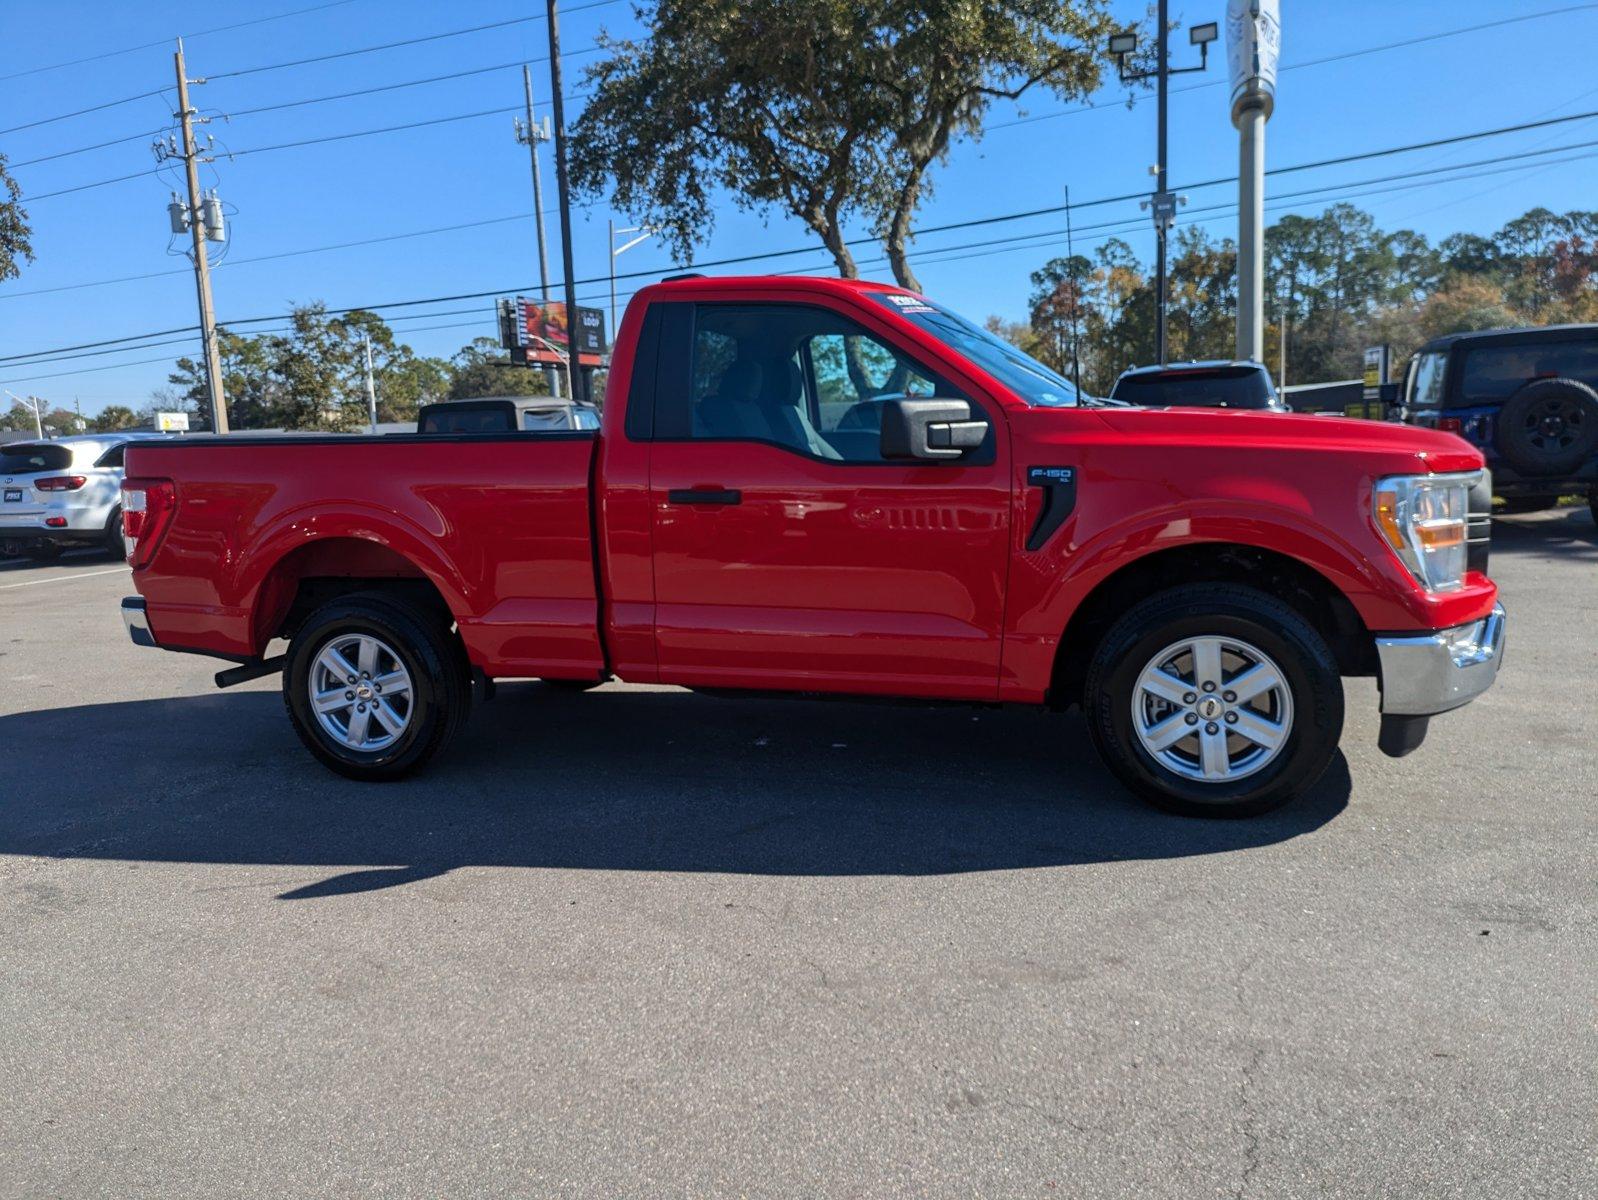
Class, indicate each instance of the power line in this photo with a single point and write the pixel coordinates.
(168, 41)
(415, 41)
(83, 111)
(404, 83)
(1317, 62)
(302, 62)
(964, 224)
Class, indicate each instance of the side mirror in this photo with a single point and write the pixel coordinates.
(929, 429)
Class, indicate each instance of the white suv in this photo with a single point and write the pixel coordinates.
(66, 492)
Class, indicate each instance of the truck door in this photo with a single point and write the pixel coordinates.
(787, 552)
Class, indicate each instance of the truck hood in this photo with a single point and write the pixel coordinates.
(1198, 427)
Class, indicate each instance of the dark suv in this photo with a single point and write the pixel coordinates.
(1214, 383)
(1525, 398)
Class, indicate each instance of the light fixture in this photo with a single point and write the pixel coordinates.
(1203, 35)
(1122, 44)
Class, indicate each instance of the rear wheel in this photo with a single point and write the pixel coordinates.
(375, 687)
(1215, 700)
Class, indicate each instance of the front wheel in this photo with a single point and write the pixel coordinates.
(1214, 700)
(375, 687)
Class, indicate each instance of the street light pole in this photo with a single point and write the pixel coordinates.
(33, 403)
(1162, 204)
(644, 232)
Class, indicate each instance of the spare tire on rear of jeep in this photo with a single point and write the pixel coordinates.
(1549, 427)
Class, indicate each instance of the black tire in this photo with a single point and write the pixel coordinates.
(1224, 610)
(1592, 504)
(430, 653)
(1549, 427)
(1528, 504)
(113, 535)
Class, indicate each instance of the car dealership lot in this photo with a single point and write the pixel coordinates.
(638, 942)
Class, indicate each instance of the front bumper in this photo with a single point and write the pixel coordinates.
(138, 625)
(1428, 673)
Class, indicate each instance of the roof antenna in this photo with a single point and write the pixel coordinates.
(1070, 262)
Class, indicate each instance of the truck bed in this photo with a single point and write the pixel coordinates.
(500, 525)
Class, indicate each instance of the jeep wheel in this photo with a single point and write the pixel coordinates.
(375, 687)
(1549, 427)
(1214, 700)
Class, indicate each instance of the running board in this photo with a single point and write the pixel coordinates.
(254, 669)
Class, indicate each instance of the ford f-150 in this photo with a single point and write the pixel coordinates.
(834, 487)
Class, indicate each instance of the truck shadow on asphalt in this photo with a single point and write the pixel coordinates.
(616, 779)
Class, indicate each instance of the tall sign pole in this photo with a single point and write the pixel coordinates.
(1253, 41)
(532, 133)
(202, 265)
(574, 374)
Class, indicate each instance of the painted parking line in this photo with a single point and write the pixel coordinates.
(63, 578)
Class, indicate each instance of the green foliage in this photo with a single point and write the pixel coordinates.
(313, 376)
(16, 235)
(1339, 281)
(114, 417)
(824, 110)
(481, 369)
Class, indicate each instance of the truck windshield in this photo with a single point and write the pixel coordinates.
(1018, 371)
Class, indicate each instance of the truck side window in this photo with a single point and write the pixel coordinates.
(806, 379)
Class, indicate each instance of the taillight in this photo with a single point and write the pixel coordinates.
(1450, 424)
(60, 483)
(147, 508)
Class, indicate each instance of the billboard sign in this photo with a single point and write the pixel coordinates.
(172, 422)
(540, 333)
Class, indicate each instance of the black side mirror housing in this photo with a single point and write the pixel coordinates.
(936, 430)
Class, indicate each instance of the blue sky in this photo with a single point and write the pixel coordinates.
(472, 171)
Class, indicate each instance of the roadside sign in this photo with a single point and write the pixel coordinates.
(172, 422)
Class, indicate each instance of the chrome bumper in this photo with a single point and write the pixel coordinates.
(1434, 672)
(137, 623)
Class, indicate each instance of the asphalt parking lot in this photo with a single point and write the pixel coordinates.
(642, 943)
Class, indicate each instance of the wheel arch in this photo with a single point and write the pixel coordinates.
(306, 576)
(1305, 589)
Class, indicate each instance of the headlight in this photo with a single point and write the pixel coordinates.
(1423, 518)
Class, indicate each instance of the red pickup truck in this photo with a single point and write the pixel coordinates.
(823, 486)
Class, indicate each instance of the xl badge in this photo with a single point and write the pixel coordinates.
(1059, 498)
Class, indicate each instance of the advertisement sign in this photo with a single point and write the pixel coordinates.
(540, 333)
(1253, 43)
(172, 422)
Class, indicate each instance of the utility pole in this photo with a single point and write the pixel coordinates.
(202, 265)
(530, 134)
(1162, 204)
(574, 374)
(371, 389)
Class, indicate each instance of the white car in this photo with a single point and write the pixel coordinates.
(60, 493)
